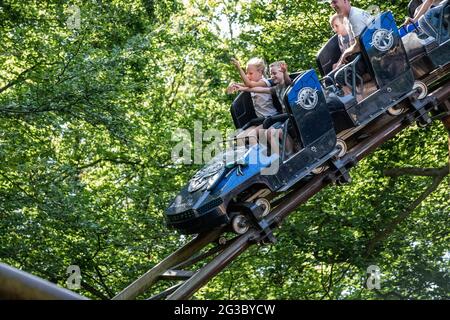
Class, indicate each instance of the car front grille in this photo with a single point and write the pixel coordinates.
(210, 205)
(190, 214)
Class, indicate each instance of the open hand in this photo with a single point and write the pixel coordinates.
(239, 87)
(342, 61)
(231, 88)
(344, 58)
(235, 62)
(408, 20)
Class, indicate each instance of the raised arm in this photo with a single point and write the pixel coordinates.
(354, 48)
(420, 12)
(254, 89)
(247, 81)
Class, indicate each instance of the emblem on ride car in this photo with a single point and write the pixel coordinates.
(307, 98)
(383, 40)
(206, 176)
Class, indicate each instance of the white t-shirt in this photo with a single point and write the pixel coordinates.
(356, 21)
(263, 102)
(344, 42)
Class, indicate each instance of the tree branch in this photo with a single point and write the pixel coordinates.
(425, 172)
(405, 214)
(117, 161)
(17, 185)
(97, 293)
(330, 284)
(17, 80)
(102, 281)
(66, 65)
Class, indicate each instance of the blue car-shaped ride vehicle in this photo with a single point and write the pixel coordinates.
(237, 187)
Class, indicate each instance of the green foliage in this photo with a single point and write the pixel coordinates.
(86, 120)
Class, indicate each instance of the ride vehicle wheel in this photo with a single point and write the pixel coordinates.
(423, 124)
(319, 170)
(395, 111)
(265, 204)
(421, 89)
(240, 224)
(342, 148)
(222, 241)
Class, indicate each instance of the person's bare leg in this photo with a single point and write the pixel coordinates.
(347, 90)
(254, 135)
(251, 133)
(289, 144)
(273, 138)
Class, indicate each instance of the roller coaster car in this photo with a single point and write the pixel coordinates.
(243, 178)
(427, 53)
(375, 81)
(236, 187)
(384, 73)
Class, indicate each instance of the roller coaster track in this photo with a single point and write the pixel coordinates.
(212, 251)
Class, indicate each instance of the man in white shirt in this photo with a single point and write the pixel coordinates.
(355, 21)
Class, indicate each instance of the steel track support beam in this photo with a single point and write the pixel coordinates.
(150, 277)
(187, 289)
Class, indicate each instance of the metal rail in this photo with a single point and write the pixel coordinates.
(150, 277)
(17, 284)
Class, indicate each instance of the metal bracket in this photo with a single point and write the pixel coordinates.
(255, 213)
(422, 108)
(342, 170)
(267, 236)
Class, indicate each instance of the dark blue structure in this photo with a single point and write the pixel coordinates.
(237, 186)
